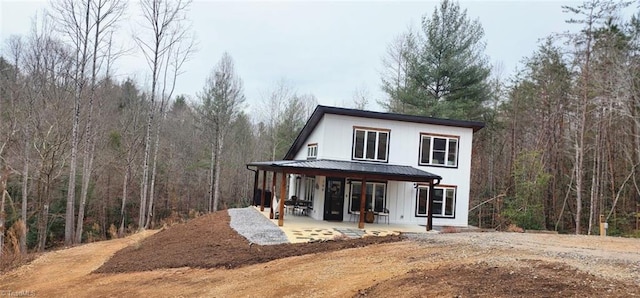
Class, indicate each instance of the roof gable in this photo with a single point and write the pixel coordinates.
(320, 111)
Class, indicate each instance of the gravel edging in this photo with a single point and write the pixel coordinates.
(252, 225)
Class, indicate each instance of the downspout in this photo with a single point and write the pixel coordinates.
(431, 194)
(255, 184)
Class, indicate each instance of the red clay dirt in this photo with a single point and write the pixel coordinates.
(531, 278)
(206, 258)
(209, 242)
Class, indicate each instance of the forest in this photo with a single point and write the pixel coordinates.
(85, 156)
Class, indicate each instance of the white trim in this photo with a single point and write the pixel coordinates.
(312, 151)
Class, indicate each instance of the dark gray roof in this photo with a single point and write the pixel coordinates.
(343, 168)
(319, 112)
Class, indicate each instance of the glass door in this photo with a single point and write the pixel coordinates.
(334, 199)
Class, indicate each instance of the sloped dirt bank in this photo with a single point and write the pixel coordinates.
(209, 242)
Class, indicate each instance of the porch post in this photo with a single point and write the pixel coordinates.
(273, 194)
(430, 206)
(264, 190)
(283, 196)
(363, 198)
(255, 187)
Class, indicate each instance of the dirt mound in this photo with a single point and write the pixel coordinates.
(531, 278)
(209, 242)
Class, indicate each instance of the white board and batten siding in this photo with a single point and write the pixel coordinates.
(334, 136)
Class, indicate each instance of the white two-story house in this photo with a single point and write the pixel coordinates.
(415, 170)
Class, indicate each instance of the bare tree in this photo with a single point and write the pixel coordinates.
(166, 21)
(395, 77)
(49, 73)
(593, 13)
(74, 21)
(361, 98)
(87, 25)
(282, 113)
(273, 106)
(130, 122)
(222, 100)
(16, 48)
(104, 15)
(176, 56)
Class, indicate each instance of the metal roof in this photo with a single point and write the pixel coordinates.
(343, 168)
(319, 112)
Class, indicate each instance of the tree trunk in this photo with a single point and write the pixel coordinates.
(145, 171)
(71, 190)
(81, 61)
(211, 177)
(579, 173)
(635, 129)
(216, 185)
(89, 147)
(25, 188)
(86, 177)
(594, 185)
(125, 183)
(3, 192)
(582, 126)
(104, 206)
(43, 222)
(2, 219)
(153, 172)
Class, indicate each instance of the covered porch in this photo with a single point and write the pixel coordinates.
(333, 171)
(306, 229)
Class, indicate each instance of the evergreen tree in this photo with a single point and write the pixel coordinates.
(288, 128)
(447, 73)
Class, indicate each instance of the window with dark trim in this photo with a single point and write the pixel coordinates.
(376, 196)
(309, 189)
(439, 150)
(370, 144)
(312, 151)
(444, 201)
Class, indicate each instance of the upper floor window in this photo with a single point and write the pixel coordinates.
(439, 150)
(312, 151)
(370, 144)
(444, 201)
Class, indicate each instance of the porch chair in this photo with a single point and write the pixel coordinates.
(295, 208)
(301, 207)
(384, 213)
(354, 214)
(289, 206)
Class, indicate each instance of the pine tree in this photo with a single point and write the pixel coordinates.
(447, 73)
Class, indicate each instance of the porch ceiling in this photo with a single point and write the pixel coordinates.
(347, 169)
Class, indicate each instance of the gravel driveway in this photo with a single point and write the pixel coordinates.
(252, 225)
(608, 257)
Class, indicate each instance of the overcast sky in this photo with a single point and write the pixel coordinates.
(328, 49)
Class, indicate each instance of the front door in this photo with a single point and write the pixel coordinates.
(334, 199)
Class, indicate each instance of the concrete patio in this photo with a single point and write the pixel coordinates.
(300, 228)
